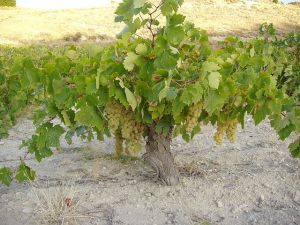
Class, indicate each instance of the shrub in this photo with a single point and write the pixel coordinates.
(11, 3)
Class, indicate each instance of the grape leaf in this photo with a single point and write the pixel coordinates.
(213, 102)
(169, 6)
(138, 3)
(175, 34)
(130, 61)
(164, 92)
(131, 98)
(176, 19)
(89, 116)
(295, 148)
(165, 61)
(252, 52)
(210, 66)
(5, 176)
(141, 49)
(214, 79)
(24, 173)
(192, 94)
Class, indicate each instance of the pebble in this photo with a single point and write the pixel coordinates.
(148, 194)
(219, 204)
(2, 143)
(240, 208)
(27, 210)
(132, 182)
(261, 199)
(297, 197)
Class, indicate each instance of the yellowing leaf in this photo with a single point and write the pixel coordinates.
(131, 98)
(141, 49)
(252, 52)
(72, 54)
(164, 92)
(130, 61)
(214, 79)
(138, 3)
(97, 81)
(210, 66)
(66, 118)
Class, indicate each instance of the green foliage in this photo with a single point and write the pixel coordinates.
(171, 79)
(8, 3)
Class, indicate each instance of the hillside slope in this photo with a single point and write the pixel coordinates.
(219, 17)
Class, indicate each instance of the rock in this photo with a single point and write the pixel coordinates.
(240, 208)
(261, 199)
(83, 38)
(27, 210)
(219, 204)
(170, 215)
(2, 143)
(297, 197)
(132, 182)
(148, 194)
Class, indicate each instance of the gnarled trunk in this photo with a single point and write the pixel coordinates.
(158, 155)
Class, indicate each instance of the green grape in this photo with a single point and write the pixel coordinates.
(193, 116)
(219, 135)
(125, 127)
(114, 112)
(231, 130)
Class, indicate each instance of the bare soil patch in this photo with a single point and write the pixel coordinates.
(254, 181)
(218, 17)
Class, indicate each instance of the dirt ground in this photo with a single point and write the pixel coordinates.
(254, 181)
(219, 17)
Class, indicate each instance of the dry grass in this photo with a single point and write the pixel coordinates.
(59, 205)
(219, 17)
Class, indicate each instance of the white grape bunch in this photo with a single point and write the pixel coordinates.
(125, 128)
(193, 116)
(220, 133)
(231, 130)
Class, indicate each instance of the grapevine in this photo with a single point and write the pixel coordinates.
(146, 86)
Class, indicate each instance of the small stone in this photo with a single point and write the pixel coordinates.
(2, 143)
(132, 182)
(148, 194)
(219, 204)
(27, 210)
(297, 197)
(261, 199)
(240, 208)
(170, 193)
(83, 38)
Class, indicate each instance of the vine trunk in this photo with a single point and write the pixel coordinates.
(158, 155)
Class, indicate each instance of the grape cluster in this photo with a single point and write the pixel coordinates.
(125, 128)
(193, 116)
(219, 135)
(228, 127)
(231, 130)
(114, 112)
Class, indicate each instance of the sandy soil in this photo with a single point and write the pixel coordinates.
(219, 17)
(254, 181)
